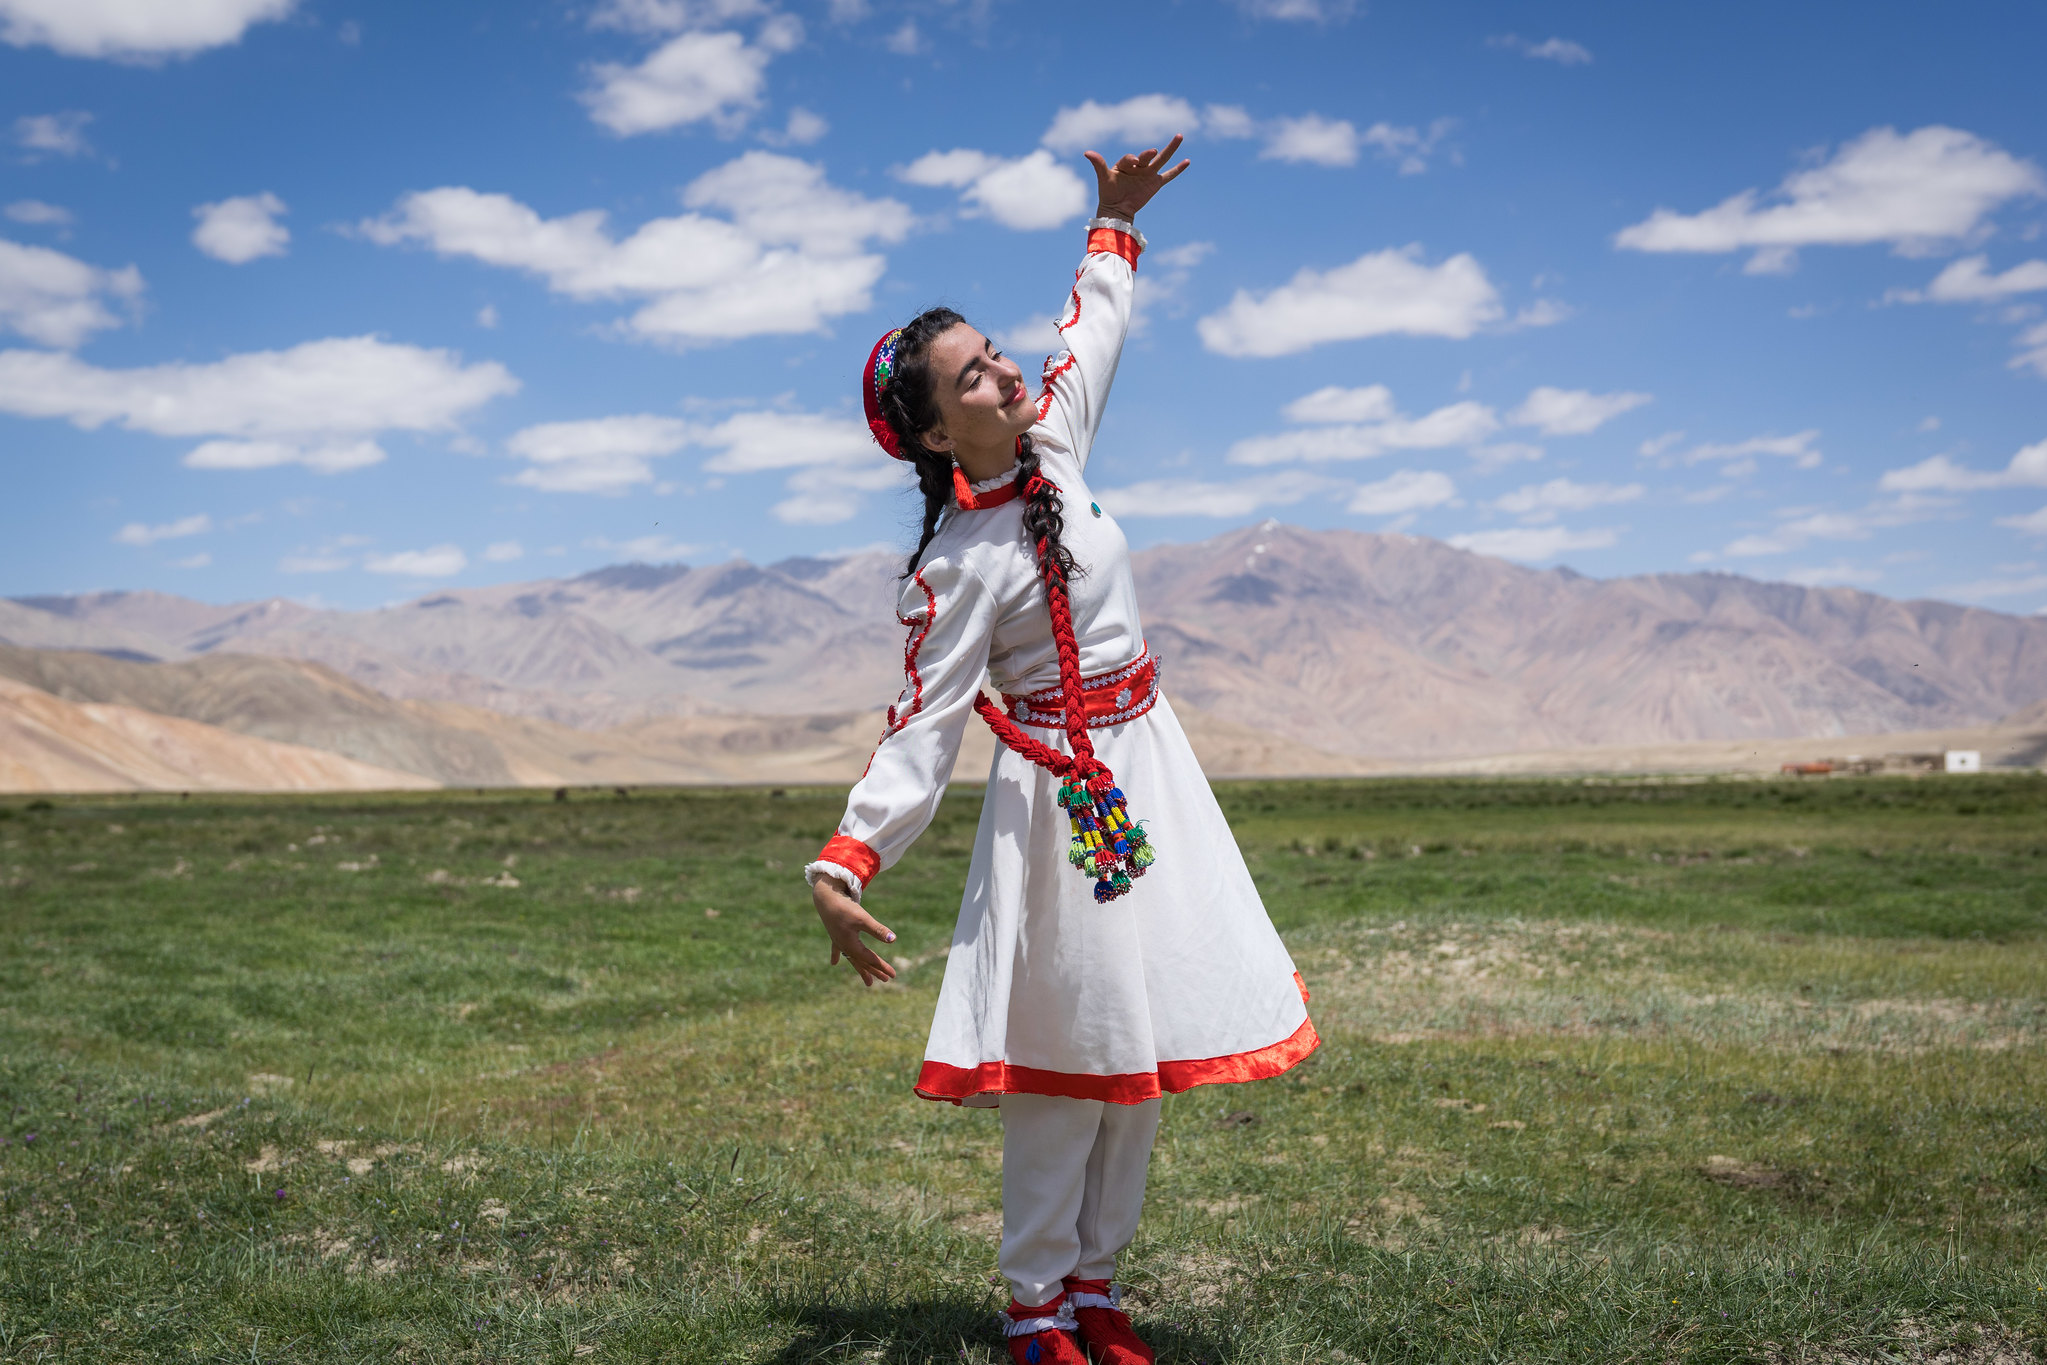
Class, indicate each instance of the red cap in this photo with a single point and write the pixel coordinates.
(881, 364)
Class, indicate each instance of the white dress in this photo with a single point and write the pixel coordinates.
(1183, 981)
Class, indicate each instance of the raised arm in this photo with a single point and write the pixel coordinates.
(1096, 318)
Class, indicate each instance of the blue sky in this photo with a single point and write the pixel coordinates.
(344, 301)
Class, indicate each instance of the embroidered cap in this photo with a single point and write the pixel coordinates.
(881, 368)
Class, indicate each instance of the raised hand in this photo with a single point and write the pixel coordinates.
(1124, 188)
(845, 921)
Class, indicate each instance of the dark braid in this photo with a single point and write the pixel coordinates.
(910, 408)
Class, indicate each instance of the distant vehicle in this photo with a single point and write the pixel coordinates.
(1964, 760)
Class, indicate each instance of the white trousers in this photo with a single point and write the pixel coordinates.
(1072, 1188)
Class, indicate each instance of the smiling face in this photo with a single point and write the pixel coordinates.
(982, 400)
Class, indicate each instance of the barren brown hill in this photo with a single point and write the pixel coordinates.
(1373, 646)
(48, 744)
(287, 700)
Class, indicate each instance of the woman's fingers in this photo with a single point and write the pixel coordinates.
(869, 963)
(1174, 173)
(1167, 155)
(872, 927)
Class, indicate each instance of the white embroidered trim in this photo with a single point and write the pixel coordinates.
(1112, 1299)
(1062, 1321)
(1120, 225)
(990, 485)
(813, 871)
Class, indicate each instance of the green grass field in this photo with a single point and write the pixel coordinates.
(1663, 1072)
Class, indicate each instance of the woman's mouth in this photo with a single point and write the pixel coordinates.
(1017, 396)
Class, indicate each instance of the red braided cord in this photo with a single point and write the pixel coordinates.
(1007, 731)
(1083, 764)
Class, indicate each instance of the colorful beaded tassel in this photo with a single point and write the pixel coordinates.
(1107, 844)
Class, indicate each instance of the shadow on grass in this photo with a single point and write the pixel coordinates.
(921, 1331)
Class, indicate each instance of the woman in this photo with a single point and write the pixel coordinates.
(1111, 946)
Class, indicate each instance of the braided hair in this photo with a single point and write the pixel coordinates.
(910, 407)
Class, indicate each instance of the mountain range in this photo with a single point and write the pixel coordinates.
(1350, 644)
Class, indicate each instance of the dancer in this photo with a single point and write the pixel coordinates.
(1111, 946)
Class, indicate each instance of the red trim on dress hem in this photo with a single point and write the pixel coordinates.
(853, 855)
(1115, 243)
(937, 1081)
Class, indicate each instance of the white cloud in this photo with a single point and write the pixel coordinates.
(1796, 448)
(1838, 574)
(2032, 523)
(827, 495)
(1372, 403)
(132, 30)
(1195, 498)
(688, 79)
(1229, 122)
(58, 300)
(1298, 11)
(504, 551)
(1380, 293)
(1798, 526)
(1572, 412)
(1931, 186)
(1458, 424)
(1037, 334)
(333, 457)
(315, 404)
(198, 561)
(142, 535)
(2027, 469)
(1026, 193)
(790, 254)
(1533, 544)
(1562, 51)
(672, 16)
(440, 561)
(2034, 356)
(605, 455)
(38, 214)
(1406, 490)
(1969, 281)
(1313, 139)
(905, 41)
(1142, 121)
(1411, 147)
(802, 129)
(487, 317)
(241, 229)
(1543, 501)
(751, 442)
(53, 134)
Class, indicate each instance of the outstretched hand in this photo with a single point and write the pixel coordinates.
(1124, 188)
(845, 921)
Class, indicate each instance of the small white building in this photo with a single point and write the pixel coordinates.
(1965, 760)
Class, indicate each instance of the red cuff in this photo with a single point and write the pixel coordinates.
(1115, 243)
(856, 857)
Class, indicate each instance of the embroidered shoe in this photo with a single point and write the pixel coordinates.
(1042, 1335)
(1104, 1326)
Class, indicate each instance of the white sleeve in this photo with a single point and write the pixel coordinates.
(1093, 325)
(950, 615)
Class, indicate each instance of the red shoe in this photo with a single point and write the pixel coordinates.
(1104, 1326)
(1042, 1335)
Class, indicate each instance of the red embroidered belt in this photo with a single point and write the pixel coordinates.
(1107, 698)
